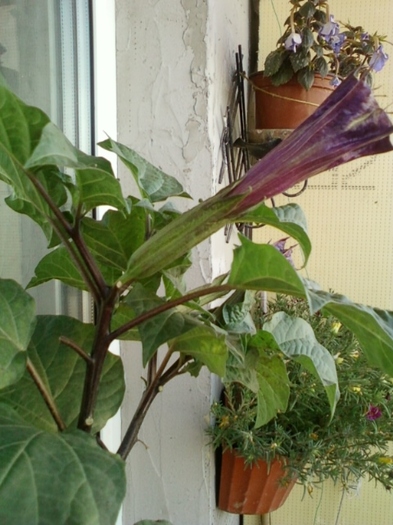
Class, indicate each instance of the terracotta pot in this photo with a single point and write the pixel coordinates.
(286, 106)
(255, 489)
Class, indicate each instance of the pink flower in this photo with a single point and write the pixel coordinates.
(373, 413)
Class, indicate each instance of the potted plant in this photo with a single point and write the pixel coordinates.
(312, 57)
(311, 443)
(59, 381)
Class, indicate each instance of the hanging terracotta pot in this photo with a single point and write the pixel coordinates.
(286, 106)
(256, 489)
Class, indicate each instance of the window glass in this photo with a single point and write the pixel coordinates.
(45, 59)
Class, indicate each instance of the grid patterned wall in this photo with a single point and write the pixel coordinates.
(350, 217)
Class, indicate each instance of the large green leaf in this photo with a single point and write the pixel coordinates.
(20, 130)
(205, 345)
(289, 219)
(263, 267)
(273, 392)
(251, 365)
(296, 339)
(62, 371)
(113, 240)
(17, 321)
(94, 176)
(62, 479)
(372, 327)
(153, 183)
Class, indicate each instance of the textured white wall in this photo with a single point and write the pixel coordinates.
(175, 61)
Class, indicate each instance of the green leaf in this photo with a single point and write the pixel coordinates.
(263, 267)
(50, 478)
(289, 219)
(296, 339)
(57, 264)
(307, 10)
(273, 62)
(284, 74)
(123, 314)
(153, 183)
(307, 38)
(305, 77)
(321, 66)
(273, 393)
(17, 321)
(94, 176)
(160, 328)
(300, 60)
(204, 345)
(372, 327)
(62, 371)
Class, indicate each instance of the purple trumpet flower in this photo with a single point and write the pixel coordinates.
(348, 125)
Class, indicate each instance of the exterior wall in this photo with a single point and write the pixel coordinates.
(175, 60)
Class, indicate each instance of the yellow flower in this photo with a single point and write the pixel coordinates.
(224, 422)
(356, 389)
(336, 327)
(355, 354)
(386, 460)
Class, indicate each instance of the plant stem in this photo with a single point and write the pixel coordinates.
(83, 260)
(131, 436)
(47, 397)
(76, 348)
(200, 292)
(95, 364)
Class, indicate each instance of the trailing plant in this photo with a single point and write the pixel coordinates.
(345, 446)
(59, 381)
(314, 43)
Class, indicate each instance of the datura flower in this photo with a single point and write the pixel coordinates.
(348, 125)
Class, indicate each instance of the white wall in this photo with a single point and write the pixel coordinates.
(175, 60)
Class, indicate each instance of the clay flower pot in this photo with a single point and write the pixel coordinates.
(288, 105)
(255, 489)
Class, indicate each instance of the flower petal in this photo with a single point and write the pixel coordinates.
(348, 125)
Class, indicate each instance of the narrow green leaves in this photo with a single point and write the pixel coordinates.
(50, 478)
(17, 321)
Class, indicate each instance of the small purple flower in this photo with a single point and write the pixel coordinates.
(335, 81)
(329, 29)
(287, 252)
(373, 413)
(292, 41)
(378, 60)
(336, 42)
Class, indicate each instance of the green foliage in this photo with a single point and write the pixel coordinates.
(59, 382)
(344, 447)
(351, 50)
